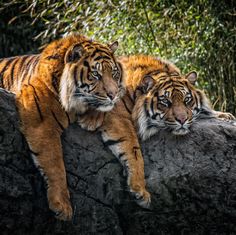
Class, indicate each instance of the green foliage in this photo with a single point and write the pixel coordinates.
(16, 31)
(197, 34)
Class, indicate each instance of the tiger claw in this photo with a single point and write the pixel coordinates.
(62, 215)
(225, 116)
(60, 205)
(143, 198)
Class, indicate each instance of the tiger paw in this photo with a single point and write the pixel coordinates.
(225, 116)
(60, 204)
(91, 120)
(142, 198)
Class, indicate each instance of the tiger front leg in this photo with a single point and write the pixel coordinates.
(119, 135)
(136, 177)
(42, 131)
(47, 155)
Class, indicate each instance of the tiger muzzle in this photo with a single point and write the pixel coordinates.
(180, 114)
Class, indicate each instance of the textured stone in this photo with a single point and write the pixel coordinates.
(192, 180)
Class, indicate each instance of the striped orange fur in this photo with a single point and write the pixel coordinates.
(72, 75)
(157, 96)
(163, 97)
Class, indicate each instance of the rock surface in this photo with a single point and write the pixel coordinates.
(192, 180)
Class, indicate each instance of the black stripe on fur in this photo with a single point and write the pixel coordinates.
(109, 143)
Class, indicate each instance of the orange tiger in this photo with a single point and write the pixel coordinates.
(71, 75)
(163, 98)
(157, 96)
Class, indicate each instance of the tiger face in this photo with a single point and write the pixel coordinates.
(92, 78)
(170, 102)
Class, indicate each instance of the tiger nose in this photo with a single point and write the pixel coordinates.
(111, 95)
(181, 119)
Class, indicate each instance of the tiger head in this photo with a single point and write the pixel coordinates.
(169, 101)
(92, 78)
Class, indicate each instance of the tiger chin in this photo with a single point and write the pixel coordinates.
(72, 76)
(166, 99)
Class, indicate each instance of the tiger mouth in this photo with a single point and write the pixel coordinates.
(180, 131)
(174, 130)
(106, 107)
(102, 105)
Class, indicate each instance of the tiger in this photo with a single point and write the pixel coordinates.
(72, 75)
(164, 98)
(157, 97)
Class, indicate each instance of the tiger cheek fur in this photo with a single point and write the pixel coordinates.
(51, 88)
(67, 91)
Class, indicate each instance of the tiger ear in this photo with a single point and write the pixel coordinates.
(147, 84)
(74, 53)
(192, 77)
(113, 46)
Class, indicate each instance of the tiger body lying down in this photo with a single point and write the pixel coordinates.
(72, 75)
(76, 76)
(157, 96)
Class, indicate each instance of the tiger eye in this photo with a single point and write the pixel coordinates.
(164, 101)
(95, 73)
(187, 100)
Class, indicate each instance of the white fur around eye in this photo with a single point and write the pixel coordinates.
(98, 66)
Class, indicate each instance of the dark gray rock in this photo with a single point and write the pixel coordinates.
(192, 180)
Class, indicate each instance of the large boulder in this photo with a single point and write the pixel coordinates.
(192, 180)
